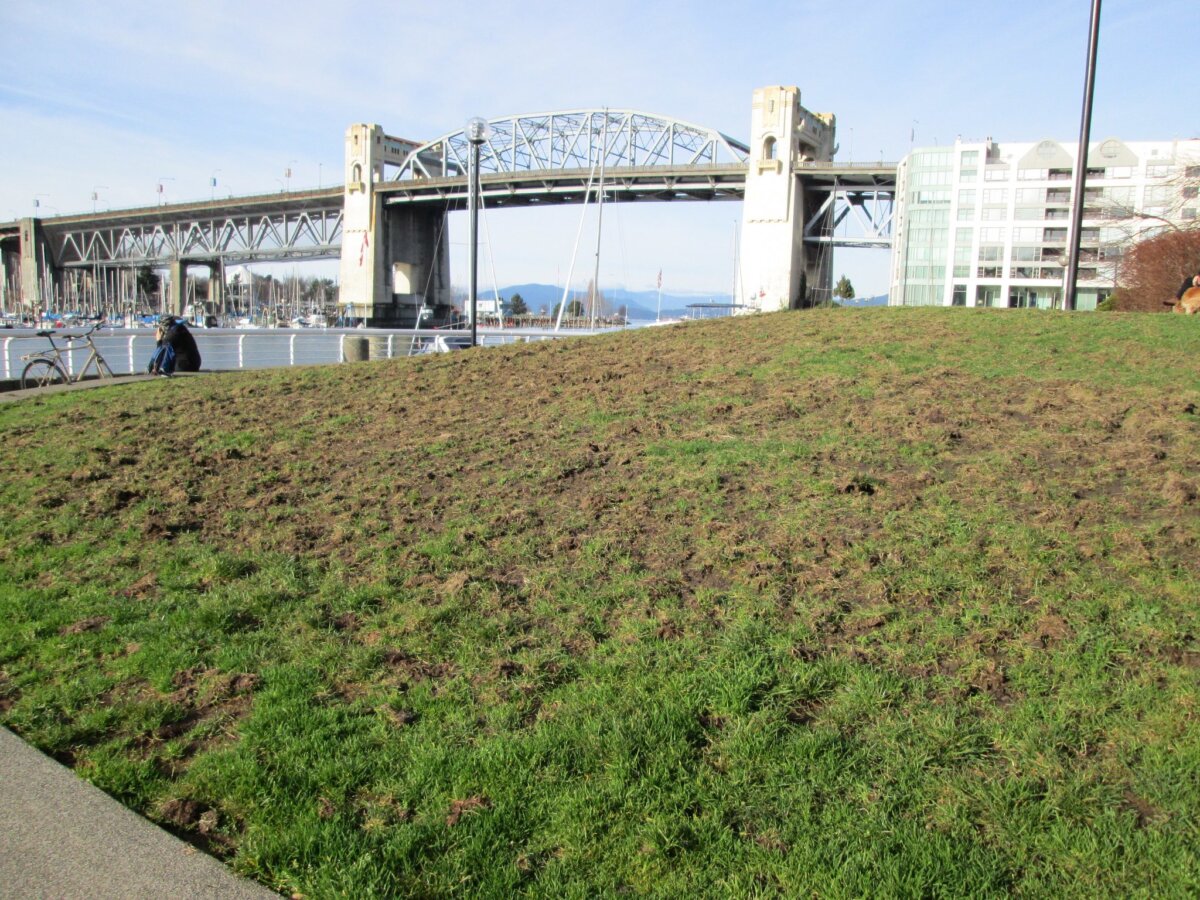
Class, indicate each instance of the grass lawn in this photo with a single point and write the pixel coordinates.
(840, 603)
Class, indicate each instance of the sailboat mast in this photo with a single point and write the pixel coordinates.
(599, 216)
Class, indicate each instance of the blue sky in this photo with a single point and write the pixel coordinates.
(114, 98)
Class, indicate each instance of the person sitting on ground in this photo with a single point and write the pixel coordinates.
(173, 333)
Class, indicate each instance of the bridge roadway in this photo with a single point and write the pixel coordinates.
(308, 224)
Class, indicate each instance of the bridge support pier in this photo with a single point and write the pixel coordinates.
(778, 271)
(394, 259)
(39, 276)
(177, 276)
(216, 289)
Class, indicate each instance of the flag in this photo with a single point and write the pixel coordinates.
(363, 249)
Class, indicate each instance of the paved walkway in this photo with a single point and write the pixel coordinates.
(62, 837)
(9, 396)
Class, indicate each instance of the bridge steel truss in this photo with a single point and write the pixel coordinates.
(576, 140)
(271, 227)
(859, 202)
(554, 157)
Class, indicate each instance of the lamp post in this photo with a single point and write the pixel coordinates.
(1081, 155)
(96, 189)
(477, 133)
(212, 186)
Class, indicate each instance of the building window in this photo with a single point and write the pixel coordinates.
(992, 235)
(995, 173)
(960, 295)
(995, 195)
(769, 144)
(988, 295)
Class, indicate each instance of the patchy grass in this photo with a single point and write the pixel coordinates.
(845, 603)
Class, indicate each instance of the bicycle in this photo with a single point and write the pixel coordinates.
(47, 367)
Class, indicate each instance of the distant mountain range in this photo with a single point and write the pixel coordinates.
(643, 305)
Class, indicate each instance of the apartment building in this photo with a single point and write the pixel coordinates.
(986, 224)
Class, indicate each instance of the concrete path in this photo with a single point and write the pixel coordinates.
(10, 396)
(64, 838)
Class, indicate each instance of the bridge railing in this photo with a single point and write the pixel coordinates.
(127, 351)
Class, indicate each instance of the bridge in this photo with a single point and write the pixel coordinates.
(387, 222)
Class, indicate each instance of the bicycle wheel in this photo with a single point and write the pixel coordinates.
(42, 373)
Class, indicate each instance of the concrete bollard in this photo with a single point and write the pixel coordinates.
(355, 349)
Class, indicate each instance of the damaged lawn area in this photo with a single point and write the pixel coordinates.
(845, 603)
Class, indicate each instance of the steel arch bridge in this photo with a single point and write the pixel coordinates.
(575, 139)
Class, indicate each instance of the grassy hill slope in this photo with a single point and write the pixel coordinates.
(848, 602)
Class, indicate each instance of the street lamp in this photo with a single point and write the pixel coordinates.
(477, 133)
(1085, 131)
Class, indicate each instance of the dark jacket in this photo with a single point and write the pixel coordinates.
(187, 354)
(1183, 288)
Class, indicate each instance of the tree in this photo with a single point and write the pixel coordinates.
(147, 282)
(844, 289)
(1150, 271)
(517, 307)
(574, 309)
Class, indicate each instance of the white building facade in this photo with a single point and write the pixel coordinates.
(986, 224)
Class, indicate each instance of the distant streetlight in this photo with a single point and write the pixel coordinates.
(477, 134)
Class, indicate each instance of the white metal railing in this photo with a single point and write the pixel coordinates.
(128, 350)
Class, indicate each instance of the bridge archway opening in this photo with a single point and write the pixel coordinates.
(533, 246)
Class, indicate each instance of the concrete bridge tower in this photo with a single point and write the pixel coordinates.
(777, 270)
(394, 258)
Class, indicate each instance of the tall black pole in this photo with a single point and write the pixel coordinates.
(1081, 156)
(473, 203)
